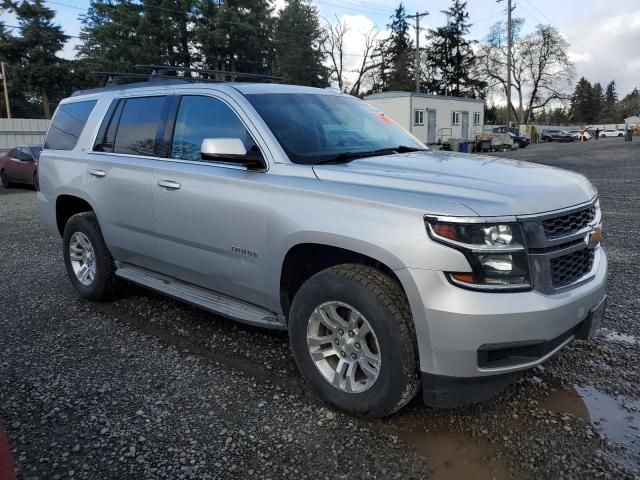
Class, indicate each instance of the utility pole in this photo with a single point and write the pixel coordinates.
(417, 16)
(509, 54)
(6, 90)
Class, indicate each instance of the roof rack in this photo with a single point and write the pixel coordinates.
(159, 74)
(161, 69)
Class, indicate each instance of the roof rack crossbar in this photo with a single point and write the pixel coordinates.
(171, 68)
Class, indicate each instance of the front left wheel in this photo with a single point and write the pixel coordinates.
(353, 339)
(4, 179)
(89, 264)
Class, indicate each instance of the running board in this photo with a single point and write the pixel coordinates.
(201, 297)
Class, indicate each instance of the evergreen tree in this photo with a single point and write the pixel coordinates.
(597, 99)
(164, 33)
(32, 56)
(238, 37)
(109, 36)
(297, 45)
(450, 56)
(581, 102)
(395, 55)
(609, 107)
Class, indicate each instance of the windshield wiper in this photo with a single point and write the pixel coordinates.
(346, 157)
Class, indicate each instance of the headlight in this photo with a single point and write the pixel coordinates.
(496, 253)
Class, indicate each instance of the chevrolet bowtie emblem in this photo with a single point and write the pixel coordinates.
(593, 239)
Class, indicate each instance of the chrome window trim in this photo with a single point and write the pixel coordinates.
(176, 160)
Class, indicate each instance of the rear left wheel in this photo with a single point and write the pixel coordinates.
(353, 340)
(86, 256)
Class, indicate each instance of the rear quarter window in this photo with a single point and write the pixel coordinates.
(67, 125)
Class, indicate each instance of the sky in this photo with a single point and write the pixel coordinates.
(604, 35)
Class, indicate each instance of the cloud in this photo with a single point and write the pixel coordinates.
(605, 45)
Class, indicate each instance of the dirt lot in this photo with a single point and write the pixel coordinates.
(148, 387)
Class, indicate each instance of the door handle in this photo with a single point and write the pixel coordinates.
(170, 184)
(98, 173)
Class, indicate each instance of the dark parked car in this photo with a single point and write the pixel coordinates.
(520, 140)
(556, 136)
(20, 165)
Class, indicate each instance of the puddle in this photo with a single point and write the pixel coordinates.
(451, 455)
(616, 418)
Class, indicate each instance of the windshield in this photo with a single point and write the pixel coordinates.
(316, 128)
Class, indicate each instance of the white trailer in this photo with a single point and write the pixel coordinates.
(432, 118)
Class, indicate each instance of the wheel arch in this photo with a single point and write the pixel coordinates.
(68, 205)
(304, 259)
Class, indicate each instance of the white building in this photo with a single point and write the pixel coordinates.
(432, 118)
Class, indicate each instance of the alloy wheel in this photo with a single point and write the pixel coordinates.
(344, 347)
(83, 258)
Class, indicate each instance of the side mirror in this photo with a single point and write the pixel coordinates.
(231, 150)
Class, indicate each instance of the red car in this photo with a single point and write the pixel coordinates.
(20, 165)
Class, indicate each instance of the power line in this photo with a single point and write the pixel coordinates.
(572, 40)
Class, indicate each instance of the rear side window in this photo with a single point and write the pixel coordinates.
(136, 133)
(67, 125)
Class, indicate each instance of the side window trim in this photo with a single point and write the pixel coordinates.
(164, 137)
(171, 125)
(107, 120)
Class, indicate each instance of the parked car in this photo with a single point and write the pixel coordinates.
(611, 132)
(556, 136)
(576, 134)
(20, 165)
(520, 140)
(393, 267)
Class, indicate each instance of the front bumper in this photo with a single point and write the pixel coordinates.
(453, 324)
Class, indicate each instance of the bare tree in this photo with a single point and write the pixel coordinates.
(334, 48)
(541, 71)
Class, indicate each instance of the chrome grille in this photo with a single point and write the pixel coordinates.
(569, 223)
(569, 268)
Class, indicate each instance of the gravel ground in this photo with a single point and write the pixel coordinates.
(147, 387)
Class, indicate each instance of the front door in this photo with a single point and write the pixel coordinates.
(431, 126)
(210, 216)
(464, 133)
(120, 174)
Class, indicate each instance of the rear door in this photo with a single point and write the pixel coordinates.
(210, 216)
(119, 176)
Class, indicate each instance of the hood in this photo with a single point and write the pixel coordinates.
(487, 185)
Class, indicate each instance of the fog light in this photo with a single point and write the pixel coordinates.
(496, 263)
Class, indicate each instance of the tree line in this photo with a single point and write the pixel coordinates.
(296, 44)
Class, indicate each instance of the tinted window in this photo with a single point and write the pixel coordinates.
(36, 151)
(25, 154)
(204, 117)
(67, 125)
(15, 153)
(139, 122)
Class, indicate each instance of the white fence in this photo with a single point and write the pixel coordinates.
(21, 131)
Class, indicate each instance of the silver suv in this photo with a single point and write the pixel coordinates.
(392, 266)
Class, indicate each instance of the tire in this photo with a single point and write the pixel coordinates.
(4, 179)
(383, 306)
(104, 283)
(603, 136)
